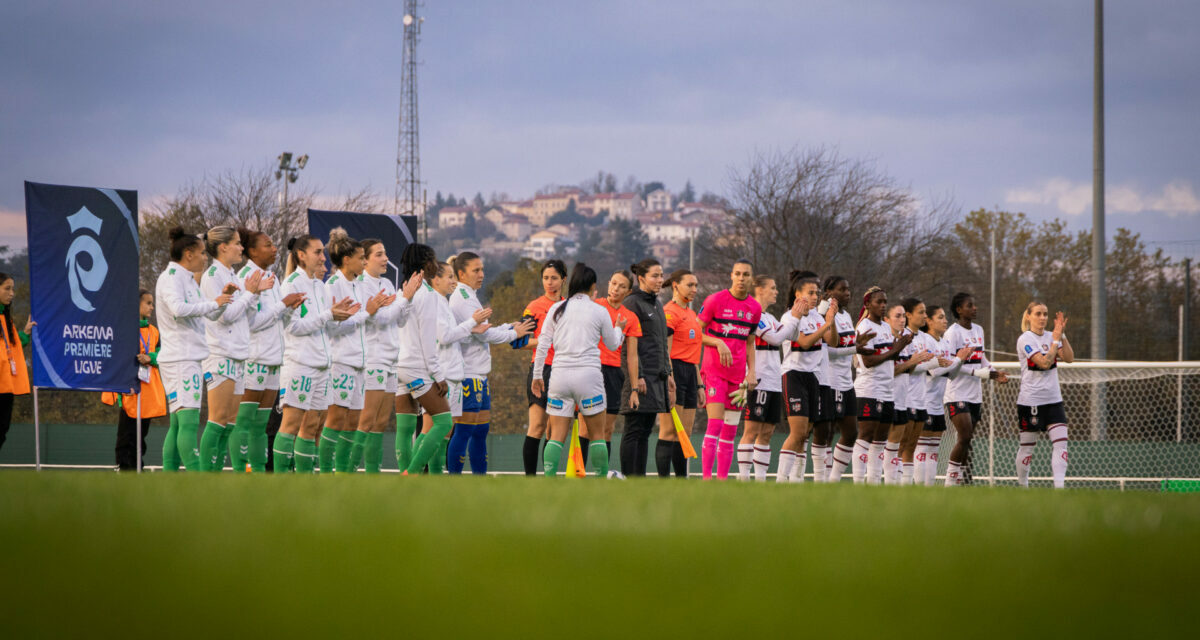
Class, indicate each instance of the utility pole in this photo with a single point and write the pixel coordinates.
(408, 148)
(1186, 324)
(1099, 293)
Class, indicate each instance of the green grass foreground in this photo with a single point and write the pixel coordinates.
(94, 554)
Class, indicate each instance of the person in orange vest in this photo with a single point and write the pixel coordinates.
(154, 397)
(14, 375)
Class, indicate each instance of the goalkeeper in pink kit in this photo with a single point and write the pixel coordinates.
(729, 318)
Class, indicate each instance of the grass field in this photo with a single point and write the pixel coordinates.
(91, 554)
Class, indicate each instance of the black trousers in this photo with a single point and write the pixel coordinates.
(127, 441)
(6, 406)
(635, 442)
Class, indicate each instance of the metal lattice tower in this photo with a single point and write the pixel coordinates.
(408, 150)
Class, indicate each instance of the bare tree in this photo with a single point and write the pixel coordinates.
(818, 211)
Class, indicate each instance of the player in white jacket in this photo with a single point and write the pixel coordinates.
(383, 352)
(964, 392)
(306, 355)
(471, 428)
(574, 327)
(181, 314)
(911, 364)
(451, 335)
(228, 337)
(949, 362)
(420, 375)
(261, 383)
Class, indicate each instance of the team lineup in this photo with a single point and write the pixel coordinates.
(348, 355)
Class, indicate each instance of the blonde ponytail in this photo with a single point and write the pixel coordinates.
(1025, 322)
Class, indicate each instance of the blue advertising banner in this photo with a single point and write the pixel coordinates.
(396, 232)
(83, 271)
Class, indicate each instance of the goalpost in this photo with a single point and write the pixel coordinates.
(1148, 434)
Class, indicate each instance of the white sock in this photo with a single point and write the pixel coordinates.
(906, 473)
(1058, 454)
(891, 454)
(828, 463)
(762, 460)
(919, 456)
(798, 468)
(875, 462)
(953, 471)
(787, 460)
(839, 461)
(745, 463)
(1025, 457)
(931, 464)
(861, 455)
(818, 456)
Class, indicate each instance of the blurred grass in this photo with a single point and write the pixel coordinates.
(91, 554)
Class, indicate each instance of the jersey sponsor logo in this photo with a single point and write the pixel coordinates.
(762, 324)
(555, 403)
(415, 384)
(208, 376)
(691, 334)
(588, 403)
(1028, 349)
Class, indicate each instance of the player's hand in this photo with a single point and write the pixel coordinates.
(293, 300)
(798, 308)
(344, 308)
(1060, 325)
(621, 322)
(224, 298)
(964, 353)
(480, 328)
(923, 356)
(943, 362)
(832, 312)
(412, 284)
(905, 340)
(29, 324)
(633, 399)
(379, 301)
(751, 381)
(670, 391)
(143, 359)
(231, 287)
(999, 376)
(440, 387)
(266, 283)
(862, 339)
(481, 314)
(524, 328)
(538, 386)
(641, 385)
(723, 352)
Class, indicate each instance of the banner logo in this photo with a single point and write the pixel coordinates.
(79, 278)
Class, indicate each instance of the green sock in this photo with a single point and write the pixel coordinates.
(329, 440)
(373, 451)
(285, 446)
(551, 456)
(170, 447)
(257, 453)
(438, 462)
(223, 448)
(406, 424)
(239, 440)
(341, 451)
(306, 455)
(185, 439)
(427, 446)
(598, 452)
(356, 451)
(209, 440)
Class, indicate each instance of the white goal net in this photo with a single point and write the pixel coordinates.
(1133, 425)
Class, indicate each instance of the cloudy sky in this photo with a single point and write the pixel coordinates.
(989, 102)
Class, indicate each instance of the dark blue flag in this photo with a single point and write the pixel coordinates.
(83, 271)
(396, 233)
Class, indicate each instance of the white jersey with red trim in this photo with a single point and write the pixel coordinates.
(936, 378)
(963, 385)
(900, 383)
(1038, 386)
(841, 357)
(812, 359)
(768, 337)
(876, 382)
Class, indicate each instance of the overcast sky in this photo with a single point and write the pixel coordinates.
(988, 101)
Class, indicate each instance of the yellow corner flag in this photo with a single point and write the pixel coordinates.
(684, 440)
(575, 466)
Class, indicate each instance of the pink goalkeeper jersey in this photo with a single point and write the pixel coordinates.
(731, 320)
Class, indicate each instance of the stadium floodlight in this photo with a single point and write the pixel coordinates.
(288, 173)
(408, 20)
(302, 160)
(285, 159)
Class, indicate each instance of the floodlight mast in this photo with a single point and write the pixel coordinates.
(408, 149)
(288, 172)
